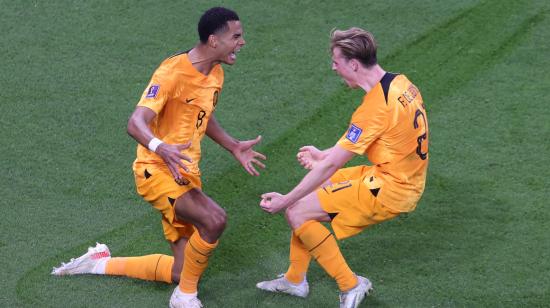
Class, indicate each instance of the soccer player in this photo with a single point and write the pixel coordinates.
(175, 111)
(390, 128)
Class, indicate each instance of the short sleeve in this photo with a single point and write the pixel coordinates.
(157, 92)
(368, 122)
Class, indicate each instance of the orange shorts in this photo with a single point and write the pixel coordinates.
(157, 186)
(351, 204)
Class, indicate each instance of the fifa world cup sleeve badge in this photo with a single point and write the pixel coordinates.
(153, 91)
(354, 133)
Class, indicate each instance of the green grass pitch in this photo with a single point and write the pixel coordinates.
(72, 72)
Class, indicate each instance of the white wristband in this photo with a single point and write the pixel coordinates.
(154, 144)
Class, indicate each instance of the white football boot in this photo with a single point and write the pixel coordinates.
(181, 300)
(85, 264)
(353, 297)
(282, 285)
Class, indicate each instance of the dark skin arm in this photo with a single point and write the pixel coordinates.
(241, 150)
(138, 128)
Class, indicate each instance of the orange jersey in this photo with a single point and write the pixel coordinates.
(391, 129)
(183, 99)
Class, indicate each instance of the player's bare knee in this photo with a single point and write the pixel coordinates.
(220, 220)
(293, 217)
(288, 214)
(215, 225)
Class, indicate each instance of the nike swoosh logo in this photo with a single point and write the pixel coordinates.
(188, 100)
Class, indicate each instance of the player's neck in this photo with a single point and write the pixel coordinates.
(371, 76)
(201, 59)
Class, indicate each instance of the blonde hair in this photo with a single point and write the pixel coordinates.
(355, 43)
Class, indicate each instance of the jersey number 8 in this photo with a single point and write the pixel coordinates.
(201, 115)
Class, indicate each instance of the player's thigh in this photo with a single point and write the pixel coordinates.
(307, 208)
(197, 208)
(352, 207)
(157, 186)
(350, 173)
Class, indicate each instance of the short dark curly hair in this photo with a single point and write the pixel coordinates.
(215, 20)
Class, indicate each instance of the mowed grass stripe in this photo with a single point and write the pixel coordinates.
(230, 191)
(455, 52)
(448, 26)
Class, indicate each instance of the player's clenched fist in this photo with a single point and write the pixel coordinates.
(273, 202)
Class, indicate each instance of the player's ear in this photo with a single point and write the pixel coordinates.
(354, 65)
(212, 41)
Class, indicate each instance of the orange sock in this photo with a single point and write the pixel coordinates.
(299, 260)
(323, 247)
(197, 251)
(155, 267)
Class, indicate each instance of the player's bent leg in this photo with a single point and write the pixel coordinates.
(209, 219)
(206, 215)
(296, 215)
(98, 260)
(304, 218)
(323, 247)
(299, 259)
(155, 267)
(294, 281)
(305, 209)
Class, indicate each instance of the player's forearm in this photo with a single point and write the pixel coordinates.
(317, 176)
(326, 152)
(215, 132)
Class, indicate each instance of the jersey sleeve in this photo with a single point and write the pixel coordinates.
(157, 92)
(368, 122)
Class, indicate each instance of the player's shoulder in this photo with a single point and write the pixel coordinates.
(386, 83)
(401, 83)
(170, 68)
(393, 83)
(217, 71)
(174, 59)
(178, 54)
(378, 96)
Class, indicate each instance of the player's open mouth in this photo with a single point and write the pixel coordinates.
(233, 55)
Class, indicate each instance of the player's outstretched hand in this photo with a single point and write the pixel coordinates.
(173, 156)
(308, 156)
(248, 158)
(273, 202)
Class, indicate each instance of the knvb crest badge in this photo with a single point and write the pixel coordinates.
(153, 91)
(353, 133)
